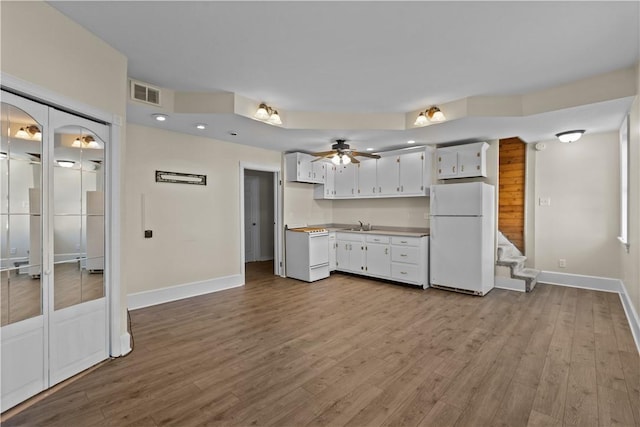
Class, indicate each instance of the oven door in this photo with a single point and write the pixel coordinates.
(318, 249)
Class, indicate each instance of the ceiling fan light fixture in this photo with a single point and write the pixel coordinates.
(435, 115)
(335, 159)
(421, 120)
(345, 160)
(570, 135)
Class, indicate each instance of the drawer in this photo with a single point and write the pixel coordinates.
(377, 239)
(404, 272)
(351, 237)
(405, 241)
(408, 254)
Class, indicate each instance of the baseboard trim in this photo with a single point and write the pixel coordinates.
(632, 315)
(187, 290)
(604, 284)
(125, 344)
(594, 283)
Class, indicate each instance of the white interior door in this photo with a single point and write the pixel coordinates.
(78, 304)
(252, 218)
(23, 314)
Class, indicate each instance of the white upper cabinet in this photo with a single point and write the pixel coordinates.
(301, 168)
(345, 181)
(401, 173)
(412, 168)
(388, 176)
(367, 178)
(462, 161)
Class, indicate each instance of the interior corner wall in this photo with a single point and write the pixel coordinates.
(630, 261)
(581, 223)
(300, 208)
(196, 229)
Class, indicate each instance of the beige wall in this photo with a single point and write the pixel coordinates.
(396, 212)
(196, 229)
(630, 269)
(300, 208)
(41, 46)
(581, 224)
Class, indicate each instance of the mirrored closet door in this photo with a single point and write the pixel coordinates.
(53, 304)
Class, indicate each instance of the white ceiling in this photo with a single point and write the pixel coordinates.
(369, 57)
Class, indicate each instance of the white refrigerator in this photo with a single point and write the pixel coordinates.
(462, 253)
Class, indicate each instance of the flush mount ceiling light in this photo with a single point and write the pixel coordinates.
(268, 114)
(432, 114)
(411, 141)
(29, 132)
(65, 163)
(160, 117)
(570, 135)
(201, 126)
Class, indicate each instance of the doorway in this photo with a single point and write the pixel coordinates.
(260, 210)
(52, 258)
(511, 192)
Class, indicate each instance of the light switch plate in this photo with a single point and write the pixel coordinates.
(544, 201)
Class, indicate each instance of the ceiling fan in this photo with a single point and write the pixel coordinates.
(342, 154)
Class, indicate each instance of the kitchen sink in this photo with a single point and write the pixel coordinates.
(357, 229)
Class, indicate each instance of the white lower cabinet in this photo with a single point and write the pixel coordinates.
(333, 246)
(378, 256)
(350, 252)
(397, 258)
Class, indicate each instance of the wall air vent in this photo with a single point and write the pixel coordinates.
(145, 93)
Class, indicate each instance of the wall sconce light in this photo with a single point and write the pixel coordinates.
(432, 114)
(65, 163)
(86, 141)
(29, 132)
(268, 114)
(570, 135)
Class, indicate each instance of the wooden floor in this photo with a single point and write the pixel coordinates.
(356, 352)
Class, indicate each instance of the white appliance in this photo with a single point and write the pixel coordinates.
(463, 237)
(307, 253)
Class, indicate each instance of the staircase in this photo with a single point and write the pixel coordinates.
(510, 272)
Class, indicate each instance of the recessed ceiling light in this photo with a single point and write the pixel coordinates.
(160, 117)
(201, 126)
(411, 141)
(369, 149)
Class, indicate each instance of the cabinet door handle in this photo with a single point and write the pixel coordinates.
(374, 189)
(386, 251)
(404, 241)
(402, 188)
(462, 168)
(404, 255)
(453, 168)
(403, 272)
(379, 189)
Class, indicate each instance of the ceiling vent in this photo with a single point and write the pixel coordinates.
(145, 93)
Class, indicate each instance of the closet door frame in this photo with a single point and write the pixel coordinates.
(119, 342)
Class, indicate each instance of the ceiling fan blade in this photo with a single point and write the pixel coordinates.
(324, 153)
(353, 159)
(372, 156)
(322, 158)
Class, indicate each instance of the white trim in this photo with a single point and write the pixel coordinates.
(594, 283)
(125, 344)
(178, 292)
(277, 207)
(604, 284)
(632, 315)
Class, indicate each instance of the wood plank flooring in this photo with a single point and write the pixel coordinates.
(351, 351)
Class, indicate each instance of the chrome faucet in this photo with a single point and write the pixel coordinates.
(361, 225)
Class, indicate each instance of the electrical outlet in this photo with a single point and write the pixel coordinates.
(13, 251)
(562, 263)
(544, 201)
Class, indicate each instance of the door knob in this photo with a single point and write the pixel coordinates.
(254, 223)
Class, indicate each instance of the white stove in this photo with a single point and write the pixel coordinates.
(307, 253)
